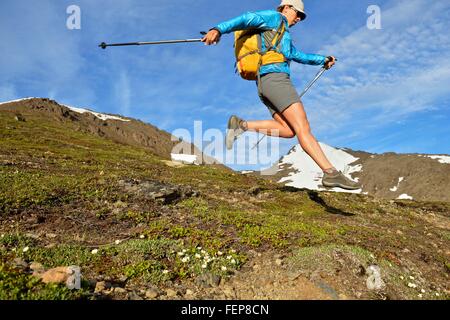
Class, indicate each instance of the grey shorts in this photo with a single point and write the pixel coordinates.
(277, 92)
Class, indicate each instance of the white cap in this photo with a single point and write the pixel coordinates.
(297, 4)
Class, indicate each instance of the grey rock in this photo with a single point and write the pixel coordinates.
(134, 296)
(374, 281)
(171, 293)
(229, 292)
(19, 117)
(207, 280)
(122, 280)
(50, 235)
(151, 293)
(327, 289)
(189, 293)
(32, 235)
(254, 191)
(100, 287)
(157, 191)
(20, 263)
(119, 290)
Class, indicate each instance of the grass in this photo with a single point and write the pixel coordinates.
(18, 286)
(46, 166)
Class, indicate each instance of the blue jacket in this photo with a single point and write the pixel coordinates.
(271, 20)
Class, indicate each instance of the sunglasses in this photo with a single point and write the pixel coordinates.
(299, 14)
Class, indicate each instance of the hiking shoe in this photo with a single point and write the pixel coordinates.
(337, 179)
(234, 131)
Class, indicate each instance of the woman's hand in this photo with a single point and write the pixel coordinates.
(212, 37)
(330, 62)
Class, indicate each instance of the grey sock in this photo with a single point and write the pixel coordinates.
(330, 171)
(243, 125)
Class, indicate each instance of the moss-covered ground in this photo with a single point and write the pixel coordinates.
(62, 203)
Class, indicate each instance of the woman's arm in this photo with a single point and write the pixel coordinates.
(307, 58)
(250, 20)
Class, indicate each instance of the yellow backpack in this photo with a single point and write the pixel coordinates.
(249, 52)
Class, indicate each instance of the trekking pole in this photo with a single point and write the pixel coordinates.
(104, 45)
(318, 75)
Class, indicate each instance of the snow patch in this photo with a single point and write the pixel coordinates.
(441, 159)
(245, 172)
(101, 116)
(18, 100)
(404, 196)
(395, 188)
(184, 158)
(307, 174)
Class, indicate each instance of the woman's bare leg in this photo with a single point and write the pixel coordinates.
(296, 117)
(277, 127)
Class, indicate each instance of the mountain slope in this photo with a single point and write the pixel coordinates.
(140, 229)
(389, 176)
(123, 130)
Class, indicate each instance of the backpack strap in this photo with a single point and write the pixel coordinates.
(278, 36)
(275, 43)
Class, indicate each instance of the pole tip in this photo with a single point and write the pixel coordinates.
(102, 45)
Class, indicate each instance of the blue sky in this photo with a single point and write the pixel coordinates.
(389, 91)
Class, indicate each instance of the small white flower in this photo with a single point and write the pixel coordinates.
(95, 251)
(419, 295)
(233, 261)
(184, 250)
(223, 268)
(2, 236)
(412, 285)
(423, 290)
(117, 242)
(203, 252)
(180, 254)
(165, 271)
(198, 256)
(204, 266)
(411, 277)
(233, 251)
(185, 259)
(229, 257)
(13, 249)
(437, 294)
(26, 249)
(219, 253)
(402, 277)
(142, 236)
(199, 248)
